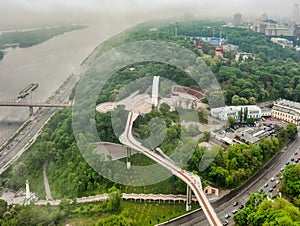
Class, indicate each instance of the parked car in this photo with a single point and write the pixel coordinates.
(235, 204)
(226, 222)
(234, 211)
(227, 216)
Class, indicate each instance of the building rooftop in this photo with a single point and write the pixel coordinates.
(248, 138)
(288, 103)
(232, 109)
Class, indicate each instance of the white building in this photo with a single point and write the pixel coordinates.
(283, 42)
(223, 113)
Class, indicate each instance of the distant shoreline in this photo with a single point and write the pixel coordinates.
(25, 38)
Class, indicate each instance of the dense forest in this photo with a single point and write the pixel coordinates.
(271, 73)
(259, 80)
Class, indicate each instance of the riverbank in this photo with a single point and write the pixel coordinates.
(49, 64)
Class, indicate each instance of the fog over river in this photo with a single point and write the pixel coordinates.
(48, 64)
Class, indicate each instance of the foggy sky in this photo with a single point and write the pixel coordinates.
(34, 12)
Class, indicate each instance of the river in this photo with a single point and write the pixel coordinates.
(48, 64)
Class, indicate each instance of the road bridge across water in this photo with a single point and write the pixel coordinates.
(31, 105)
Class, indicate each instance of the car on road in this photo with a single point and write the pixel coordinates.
(234, 211)
(226, 222)
(227, 216)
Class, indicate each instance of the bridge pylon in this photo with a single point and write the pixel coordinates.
(31, 113)
(188, 198)
(128, 161)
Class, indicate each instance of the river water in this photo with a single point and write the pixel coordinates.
(48, 64)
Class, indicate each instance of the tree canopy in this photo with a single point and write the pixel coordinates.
(259, 211)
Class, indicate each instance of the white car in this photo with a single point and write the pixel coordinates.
(272, 179)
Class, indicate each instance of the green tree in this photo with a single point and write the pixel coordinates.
(114, 220)
(3, 207)
(235, 100)
(245, 114)
(260, 211)
(252, 100)
(244, 101)
(292, 181)
(231, 120)
(296, 93)
(114, 199)
(291, 131)
(241, 113)
(207, 135)
(164, 108)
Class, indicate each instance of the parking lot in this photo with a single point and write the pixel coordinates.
(249, 132)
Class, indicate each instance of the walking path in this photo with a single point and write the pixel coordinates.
(46, 183)
(128, 197)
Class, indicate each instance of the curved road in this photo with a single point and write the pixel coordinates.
(191, 180)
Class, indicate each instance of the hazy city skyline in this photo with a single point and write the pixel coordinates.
(27, 12)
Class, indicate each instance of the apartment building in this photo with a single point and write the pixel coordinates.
(286, 110)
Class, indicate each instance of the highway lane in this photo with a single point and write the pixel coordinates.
(225, 206)
(192, 180)
(22, 141)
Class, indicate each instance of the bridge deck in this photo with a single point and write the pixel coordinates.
(28, 104)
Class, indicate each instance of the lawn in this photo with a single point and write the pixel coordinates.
(142, 213)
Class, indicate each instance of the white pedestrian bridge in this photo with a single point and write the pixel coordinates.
(193, 181)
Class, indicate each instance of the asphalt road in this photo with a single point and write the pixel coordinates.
(21, 142)
(226, 206)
